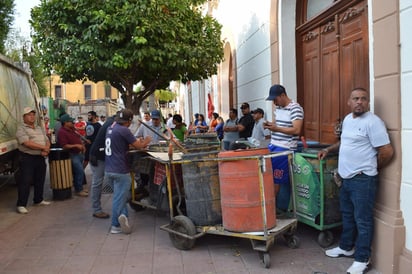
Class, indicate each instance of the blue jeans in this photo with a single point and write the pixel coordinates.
(120, 184)
(78, 171)
(226, 145)
(357, 199)
(97, 185)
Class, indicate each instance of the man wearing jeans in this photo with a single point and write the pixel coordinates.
(364, 148)
(117, 167)
(97, 166)
(71, 141)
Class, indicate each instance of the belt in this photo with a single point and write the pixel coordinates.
(24, 154)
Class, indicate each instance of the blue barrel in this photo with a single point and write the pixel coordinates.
(202, 190)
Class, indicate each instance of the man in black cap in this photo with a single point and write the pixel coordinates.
(285, 131)
(117, 167)
(259, 132)
(246, 122)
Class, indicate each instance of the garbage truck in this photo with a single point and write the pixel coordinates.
(17, 90)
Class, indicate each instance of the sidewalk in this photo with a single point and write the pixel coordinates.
(65, 238)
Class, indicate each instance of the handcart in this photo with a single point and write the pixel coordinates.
(155, 165)
(317, 194)
(184, 230)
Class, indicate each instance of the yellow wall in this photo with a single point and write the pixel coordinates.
(74, 91)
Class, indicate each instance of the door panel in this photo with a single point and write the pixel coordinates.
(354, 51)
(335, 60)
(329, 99)
(311, 87)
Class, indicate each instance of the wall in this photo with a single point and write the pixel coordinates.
(74, 91)
(248, 33)
(263, 47)
(405, 20)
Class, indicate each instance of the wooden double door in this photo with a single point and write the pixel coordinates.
(333, 54)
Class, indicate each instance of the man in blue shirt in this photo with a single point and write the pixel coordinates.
(117, 167)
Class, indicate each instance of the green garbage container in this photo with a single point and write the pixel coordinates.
(316, 193)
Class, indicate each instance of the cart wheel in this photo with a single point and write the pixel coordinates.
(293, 241)
(183, 225)
(136, 207)
(265, 259)
(325, 238)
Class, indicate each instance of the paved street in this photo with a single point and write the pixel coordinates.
(65, 238)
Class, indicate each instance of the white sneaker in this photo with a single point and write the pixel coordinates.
(22, 210)
(43, 203)
(358, 268)
(115, 230)
(339, 252)
(124, 224)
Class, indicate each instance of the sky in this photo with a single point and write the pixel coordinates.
(22, 15)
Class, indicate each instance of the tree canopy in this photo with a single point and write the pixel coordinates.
(126, 42)
(6, 19)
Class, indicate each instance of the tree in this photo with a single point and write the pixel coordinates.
(126, 42)
(19, 49)
(6, 19)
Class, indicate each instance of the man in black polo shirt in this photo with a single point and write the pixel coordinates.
(246, 122)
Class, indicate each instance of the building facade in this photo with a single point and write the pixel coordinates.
(80, 92)
(320, 50)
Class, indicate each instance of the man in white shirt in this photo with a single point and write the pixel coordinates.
(259, 132)
(169, 122)
(155, 125)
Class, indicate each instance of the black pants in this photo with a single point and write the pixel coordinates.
(32, 171)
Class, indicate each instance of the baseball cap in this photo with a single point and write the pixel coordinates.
(258, 110)
(66, 118)
(244, 105)
(275, 91)
(27, 110)
(124, 115)
(155, 114)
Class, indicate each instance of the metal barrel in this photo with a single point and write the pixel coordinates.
(201, 187)
(241, 192)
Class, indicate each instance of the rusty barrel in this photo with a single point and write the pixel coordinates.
(240, 192)
(201, 188)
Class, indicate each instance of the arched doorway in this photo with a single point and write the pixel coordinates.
(332, 59)
(228, 97)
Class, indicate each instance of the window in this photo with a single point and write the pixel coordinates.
(87, 92)
(314, 7)
(107, 91)
(58, 92)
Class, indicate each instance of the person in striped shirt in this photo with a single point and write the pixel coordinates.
(285, 128)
